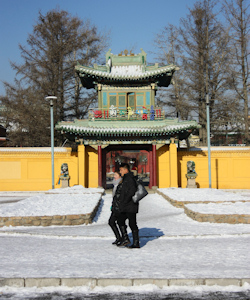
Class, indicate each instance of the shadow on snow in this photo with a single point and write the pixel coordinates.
(147, 234)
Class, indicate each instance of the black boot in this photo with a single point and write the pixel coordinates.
(136, 241)
(125, 240)
(117, 235)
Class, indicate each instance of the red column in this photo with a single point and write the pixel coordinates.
(150, 170)
(154, 163)
(99, 166)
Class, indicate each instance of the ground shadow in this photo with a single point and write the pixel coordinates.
(147, 234)
(98, 213)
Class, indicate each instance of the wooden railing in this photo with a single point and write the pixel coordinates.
(114, 113)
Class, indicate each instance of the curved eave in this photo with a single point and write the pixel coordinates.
(90, 77)
(118, 132)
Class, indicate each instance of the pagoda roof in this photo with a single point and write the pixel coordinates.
(125, 69)
(164, 127)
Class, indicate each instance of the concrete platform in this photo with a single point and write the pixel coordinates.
(104, 282)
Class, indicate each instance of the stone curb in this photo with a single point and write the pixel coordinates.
(104, 282)
(63, 220)
(217, 218)
(212, 218)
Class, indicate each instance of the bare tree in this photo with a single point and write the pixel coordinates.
(169, 52)
(25, 116)
(57, 42)
(237, 14)
(204, 43)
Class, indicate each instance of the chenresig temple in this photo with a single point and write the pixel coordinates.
(127, 126)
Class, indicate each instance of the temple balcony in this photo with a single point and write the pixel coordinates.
(125, 114)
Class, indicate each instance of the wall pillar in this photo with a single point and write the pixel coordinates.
(173, 164)
(81, 165)
(150, 170)
(154, 163)
(99, 166)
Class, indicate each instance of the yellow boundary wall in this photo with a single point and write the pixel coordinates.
(230, 167)
(29, 169)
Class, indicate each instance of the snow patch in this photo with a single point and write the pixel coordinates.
(200, 195)
(76, 189)
(228, 208)
(68, 201)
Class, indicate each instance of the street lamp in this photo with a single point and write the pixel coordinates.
(51, 98)
(208, 141)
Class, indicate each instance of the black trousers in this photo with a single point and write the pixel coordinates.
(113, 219)
(131, 220)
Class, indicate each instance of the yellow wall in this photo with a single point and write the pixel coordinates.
(26, 170)
(230, 169)
(163, 167)
(167, 166)
(30, 170)
(91, 167)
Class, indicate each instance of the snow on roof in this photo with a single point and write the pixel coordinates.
(114, 129)
(132, 70)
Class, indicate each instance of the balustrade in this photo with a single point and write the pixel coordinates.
(114, 113)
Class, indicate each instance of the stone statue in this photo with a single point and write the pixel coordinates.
(191, 174)
(113, 111)
(64, 175)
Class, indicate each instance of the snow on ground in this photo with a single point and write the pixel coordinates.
(76, 189)
(122, 292)
(49, 205)
(172, 246)
(157, 217)
(240, 208)
(212, 195)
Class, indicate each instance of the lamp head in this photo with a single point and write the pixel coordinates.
(51, 98)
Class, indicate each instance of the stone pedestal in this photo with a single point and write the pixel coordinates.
(191, 184)
(154, 188)
(64, 182)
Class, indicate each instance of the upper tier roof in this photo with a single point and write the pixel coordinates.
(125, 69)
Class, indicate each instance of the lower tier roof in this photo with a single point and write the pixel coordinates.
(88, 128)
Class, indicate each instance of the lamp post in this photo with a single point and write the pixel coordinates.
(208, 141)
(51, 98)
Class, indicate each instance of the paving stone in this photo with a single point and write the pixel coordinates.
(114, 281)
(71, 282)
(158, 282)
(42, 282)
(186, 282)
(245, 280)
(222, 281)
(15, 282)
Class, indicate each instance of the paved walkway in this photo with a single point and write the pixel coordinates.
(175, 250)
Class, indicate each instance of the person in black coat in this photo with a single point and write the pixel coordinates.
(127, 208)
(117, 183)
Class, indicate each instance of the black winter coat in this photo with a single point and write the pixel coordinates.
(116, 198)
(128, 190)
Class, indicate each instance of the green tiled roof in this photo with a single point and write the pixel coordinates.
(121, 128)
(119, 74)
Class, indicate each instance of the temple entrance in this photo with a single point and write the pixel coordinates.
(138, 158)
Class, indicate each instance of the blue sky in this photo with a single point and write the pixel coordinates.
(131, 23)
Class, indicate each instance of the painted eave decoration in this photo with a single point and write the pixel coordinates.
(135, 128)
